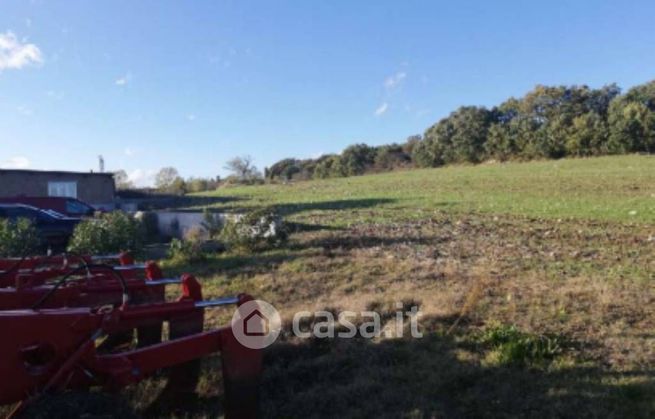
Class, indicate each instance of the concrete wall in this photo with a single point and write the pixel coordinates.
(94, 188)
(177, 223)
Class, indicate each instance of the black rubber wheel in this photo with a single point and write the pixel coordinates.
(71, 404)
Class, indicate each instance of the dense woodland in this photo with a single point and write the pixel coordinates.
(548, 122)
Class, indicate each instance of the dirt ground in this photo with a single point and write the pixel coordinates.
(572, 302)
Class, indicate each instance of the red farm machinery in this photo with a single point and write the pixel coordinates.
(70, 324)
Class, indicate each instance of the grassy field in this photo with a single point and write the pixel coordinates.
(535, 281)
(607, 188)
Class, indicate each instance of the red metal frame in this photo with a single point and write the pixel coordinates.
(38, 269)
(56, 349)
(56, 346)
(89, 289)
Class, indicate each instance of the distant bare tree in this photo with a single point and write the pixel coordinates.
(166, 177)
(243, 168)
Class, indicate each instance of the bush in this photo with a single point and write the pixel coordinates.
(212, 223)
(18, 238)
(328, 166)
(285, 169)
(255, 230)
(390, 157)
(189, 249)
(108, 233)
(355, 159)
(150, 222)
(514, 347)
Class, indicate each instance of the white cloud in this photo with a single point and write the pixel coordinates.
(54, 94)
(381, 109)
(142, 177)
(129, 152)
(191, 117)
(395, 80)
(16, 162)
(122, 81)
(16, 54)
(24, 110)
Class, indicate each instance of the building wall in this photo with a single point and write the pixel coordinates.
(94, 189)
(178, 223)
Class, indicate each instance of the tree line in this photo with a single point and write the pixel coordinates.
(168, 179)
(548, 122)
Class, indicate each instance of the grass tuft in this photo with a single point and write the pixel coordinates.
(512, 347)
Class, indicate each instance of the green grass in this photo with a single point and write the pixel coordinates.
(514, 347)
(618, 188)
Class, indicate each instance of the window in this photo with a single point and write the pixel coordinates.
(66, 189)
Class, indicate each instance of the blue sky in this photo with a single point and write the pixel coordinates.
(191, 84)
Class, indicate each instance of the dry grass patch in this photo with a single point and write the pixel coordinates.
(578, 294)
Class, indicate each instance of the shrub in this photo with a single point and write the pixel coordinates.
(355, 159)
(423, 155)
(231, 181)
(390, 157)
(514, 347)
(255, 230)
(108, 233)
(150, 222)
(190, 248)
(588, 136)
(194, 185)
(212, 223)
(632, 127)
(285, 169)
(17, 238)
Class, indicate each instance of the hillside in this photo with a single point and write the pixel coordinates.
(535, 282)
(620, 188)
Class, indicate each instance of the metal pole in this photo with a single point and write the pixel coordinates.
(128, 267)
(105, 257)
(163, 281)
(217, 302)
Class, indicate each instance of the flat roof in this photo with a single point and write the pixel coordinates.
(54, 172)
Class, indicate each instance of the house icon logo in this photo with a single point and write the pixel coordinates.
(256, 324)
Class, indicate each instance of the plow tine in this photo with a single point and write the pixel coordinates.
(150, 335)
(153, 271)
(105, 257)
(164, 281)
(129, 267)
(183, 379)
(217, 302)
(242, 369)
